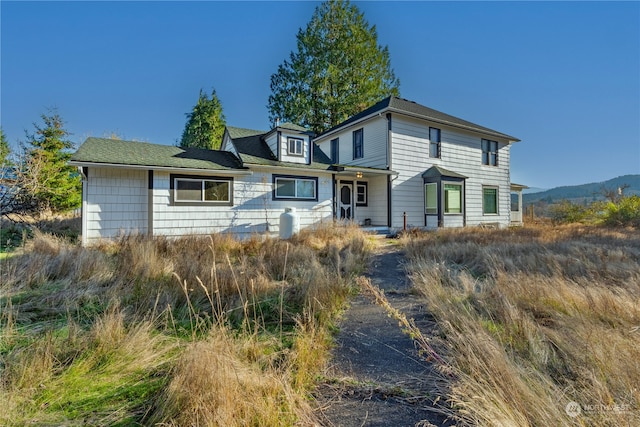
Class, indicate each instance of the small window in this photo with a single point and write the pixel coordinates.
(295, 146)
(489, 152)
(358, 144)
(434, 143)
(515, 202)
(335, 145)
(452, 198)
(489, 201)
(291, 187)
(431, 198)
(361, 193)
(202, 190)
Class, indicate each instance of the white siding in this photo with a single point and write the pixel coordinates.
(376, 208)
(461, 153)
(272, 142)
(253, 208)
(374, 147)
(227, 145)
(284, 154)
(115, 202)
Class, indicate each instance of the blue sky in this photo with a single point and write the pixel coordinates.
(564, 77)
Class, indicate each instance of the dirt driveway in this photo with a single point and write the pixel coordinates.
(376, 377)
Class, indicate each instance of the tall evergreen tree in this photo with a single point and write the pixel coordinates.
(338, 70)
(4, 149)
(47, 178)
(205, 124)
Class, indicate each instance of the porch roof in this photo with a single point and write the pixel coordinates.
(353, 170)
(518, 187)
(437, 172)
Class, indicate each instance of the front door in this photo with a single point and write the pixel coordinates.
(345, 200)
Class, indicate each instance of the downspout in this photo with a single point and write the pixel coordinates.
(389, 210)
(334, 205)
(84, 173)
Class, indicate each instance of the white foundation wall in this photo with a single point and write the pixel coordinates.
(115, 202)
(253, 210)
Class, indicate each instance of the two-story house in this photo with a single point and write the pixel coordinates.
(396, 162)
(443, 171)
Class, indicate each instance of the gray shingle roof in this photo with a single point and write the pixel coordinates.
(115, 151)
(235, 132)
(401, 105)
(437, 171)
(254, 150)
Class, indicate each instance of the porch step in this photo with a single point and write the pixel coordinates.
(373, 229)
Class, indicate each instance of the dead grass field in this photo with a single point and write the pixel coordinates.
(194, 331)
(533, 319)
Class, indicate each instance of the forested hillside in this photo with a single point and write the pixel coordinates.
(586, 192)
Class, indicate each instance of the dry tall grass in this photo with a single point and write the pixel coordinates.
(193, 331)
(533, 319)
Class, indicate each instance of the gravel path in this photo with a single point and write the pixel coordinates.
(376, 377)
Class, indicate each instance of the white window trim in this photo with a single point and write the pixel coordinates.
(295, 143)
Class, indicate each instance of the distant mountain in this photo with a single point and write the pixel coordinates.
(533, 190)
(585, 192)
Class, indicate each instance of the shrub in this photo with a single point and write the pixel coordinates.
(567, 212)
(624, 213)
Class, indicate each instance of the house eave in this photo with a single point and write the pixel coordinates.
(235, 172)
(341, 128)
(350, 170)
(508, 138)
(291, 169)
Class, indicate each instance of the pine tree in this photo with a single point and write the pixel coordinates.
(4, 149)
(205, 124)
(338, 70)
(47, 178)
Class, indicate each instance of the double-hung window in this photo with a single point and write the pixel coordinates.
(202, 190)
(489, 200)
(431, 198)
(358, 144)
(434, 143)
(489, 152)
(295, 146)
(361, 193)
(295, 188)
(452, 198)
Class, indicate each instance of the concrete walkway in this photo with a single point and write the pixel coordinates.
(376, 377)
